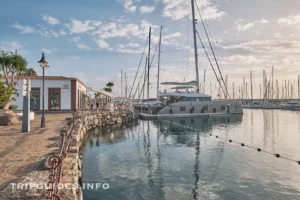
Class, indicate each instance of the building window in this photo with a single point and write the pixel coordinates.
(182, 108)
(35, 99)
(205, 108)
(223, 107)
(54, 98)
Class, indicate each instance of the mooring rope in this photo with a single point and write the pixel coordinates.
(277, 155)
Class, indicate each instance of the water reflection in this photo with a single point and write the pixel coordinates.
(163, 160)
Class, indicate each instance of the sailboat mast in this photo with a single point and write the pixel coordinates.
(145, 76)
(126, 88)
(195, 45)
(158, 65)
(149, 47)
(121, 82)
(251, 85)
(204, 81)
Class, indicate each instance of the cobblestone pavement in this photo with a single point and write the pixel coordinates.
(21, 153)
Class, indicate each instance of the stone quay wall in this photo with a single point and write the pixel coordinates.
(70, 160)
(73, 162)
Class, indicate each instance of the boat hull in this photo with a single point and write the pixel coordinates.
(194, 107)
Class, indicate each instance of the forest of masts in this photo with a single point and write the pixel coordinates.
(268, 89)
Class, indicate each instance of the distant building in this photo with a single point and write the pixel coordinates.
(61, 93)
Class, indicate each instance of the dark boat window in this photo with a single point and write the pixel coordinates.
(205, 108)
(195, 99)
(182, 108)
(223, 107)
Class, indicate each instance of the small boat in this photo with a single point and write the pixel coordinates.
(292, 105)
(252, 105)
(271, 106)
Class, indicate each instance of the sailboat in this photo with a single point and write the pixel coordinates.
(181, 101)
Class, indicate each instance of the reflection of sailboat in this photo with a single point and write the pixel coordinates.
(201, 122)
(195, 193)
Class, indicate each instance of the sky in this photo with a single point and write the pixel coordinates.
(94, 40)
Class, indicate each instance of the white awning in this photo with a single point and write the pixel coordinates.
(112, 95)
(176, 94)
(193, 83)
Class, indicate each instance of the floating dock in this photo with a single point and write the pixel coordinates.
(146, 116)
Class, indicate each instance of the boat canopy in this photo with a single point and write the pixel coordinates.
(193, 83)
(176, 94)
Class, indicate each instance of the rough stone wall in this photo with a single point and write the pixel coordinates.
(72, 164)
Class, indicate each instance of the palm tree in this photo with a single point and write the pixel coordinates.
(110, 85)
(30, 72)
(107, 89)
(12, 65)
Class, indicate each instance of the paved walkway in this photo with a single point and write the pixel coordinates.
(21, 153)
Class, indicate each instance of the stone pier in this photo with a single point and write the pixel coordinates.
(72, 163)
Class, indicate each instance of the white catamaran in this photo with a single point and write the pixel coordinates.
(188, 102)
(185, 99)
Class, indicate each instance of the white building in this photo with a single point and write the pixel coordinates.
(61, 93)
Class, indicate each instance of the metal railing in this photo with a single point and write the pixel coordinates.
(55, 161)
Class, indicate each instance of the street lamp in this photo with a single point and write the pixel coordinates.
(44, 64)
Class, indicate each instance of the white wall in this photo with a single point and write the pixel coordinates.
(65, 93)
(82, 88)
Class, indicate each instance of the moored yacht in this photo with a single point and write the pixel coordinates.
(187, 103)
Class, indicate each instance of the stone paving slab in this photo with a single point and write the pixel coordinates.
(21, 153)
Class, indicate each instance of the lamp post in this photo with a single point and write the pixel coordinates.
(44, 64)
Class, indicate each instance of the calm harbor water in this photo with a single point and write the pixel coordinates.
(158, 160)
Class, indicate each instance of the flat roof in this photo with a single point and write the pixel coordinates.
(53, 78)
(111, 95)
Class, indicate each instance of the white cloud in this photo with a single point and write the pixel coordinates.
(128, 5)
(103, 45)
(12, 46)
(181, 8)
(242, 59)
(290, 20)
(51, 20)
(49, 51)
(243, 27)
(133, 45)
(263, 21)
(131, 51)
(75, 39)
(267, 46)
(147, 9)
(62, 32)
(77, 26)
(277, 35)
(82, 46)
(240, 26)
(24, 29)
(55, 34)
(75, 57)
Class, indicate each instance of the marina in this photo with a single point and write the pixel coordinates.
(178, 159)
(150, 100)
